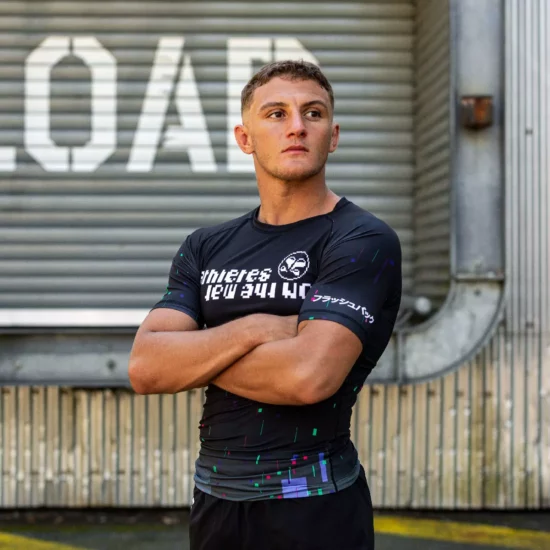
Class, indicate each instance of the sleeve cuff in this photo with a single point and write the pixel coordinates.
(339, 318)
(177, 307)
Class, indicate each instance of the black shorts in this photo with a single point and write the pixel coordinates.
(338, 521)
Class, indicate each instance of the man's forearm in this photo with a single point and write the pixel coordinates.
(174, 361)
(271, 373)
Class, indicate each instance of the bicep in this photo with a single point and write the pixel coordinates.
(179, 309)
(168, 320)
(153, 344)
(358, 283)
(160, 320)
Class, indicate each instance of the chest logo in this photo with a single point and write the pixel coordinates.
(294, 266)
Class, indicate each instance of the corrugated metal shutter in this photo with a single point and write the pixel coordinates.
(433, 150)
(104, 238)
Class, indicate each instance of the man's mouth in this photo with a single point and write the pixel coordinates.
(295, 149)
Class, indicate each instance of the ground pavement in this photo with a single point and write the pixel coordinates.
(168, 530)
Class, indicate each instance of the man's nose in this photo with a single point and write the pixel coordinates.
(296, 125)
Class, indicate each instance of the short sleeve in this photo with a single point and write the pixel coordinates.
(183, 290)
(359, 282)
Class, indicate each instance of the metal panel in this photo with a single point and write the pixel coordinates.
(104, 240)
(432, 139)
(474, 303)
(414, 354)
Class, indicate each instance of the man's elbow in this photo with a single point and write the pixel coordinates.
(312, 396)
(146, 380)
(141, 379)
(313, 388)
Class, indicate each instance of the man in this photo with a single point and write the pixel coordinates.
(282, 313)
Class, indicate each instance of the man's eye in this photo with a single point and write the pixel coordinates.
(315, 114)
(276, 114)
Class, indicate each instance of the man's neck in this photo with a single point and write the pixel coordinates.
(296, 205)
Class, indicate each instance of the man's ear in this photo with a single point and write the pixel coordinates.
(334, 138)
(243, 139)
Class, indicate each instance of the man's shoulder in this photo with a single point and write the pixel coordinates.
(354, 221)
(203, 234)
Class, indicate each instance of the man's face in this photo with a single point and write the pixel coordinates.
(289, 129)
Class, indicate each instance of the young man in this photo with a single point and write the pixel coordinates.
(282, 313)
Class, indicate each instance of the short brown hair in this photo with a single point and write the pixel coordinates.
(293, 70)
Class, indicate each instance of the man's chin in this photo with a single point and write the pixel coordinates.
(297, 175)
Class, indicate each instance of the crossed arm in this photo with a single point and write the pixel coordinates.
(302, 370)
(260, 357)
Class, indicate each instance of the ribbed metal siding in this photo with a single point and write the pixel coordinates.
(74, 448)
(105, 239)
(480, 438)
(432, 150)
(528, 264)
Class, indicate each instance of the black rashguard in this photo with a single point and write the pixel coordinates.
(344, 266)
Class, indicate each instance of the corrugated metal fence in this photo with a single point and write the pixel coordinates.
(67, 447)
(480, 437)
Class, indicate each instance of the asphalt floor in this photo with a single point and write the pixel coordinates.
(167, 530)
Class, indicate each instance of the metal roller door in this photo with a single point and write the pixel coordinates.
(115, 142)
